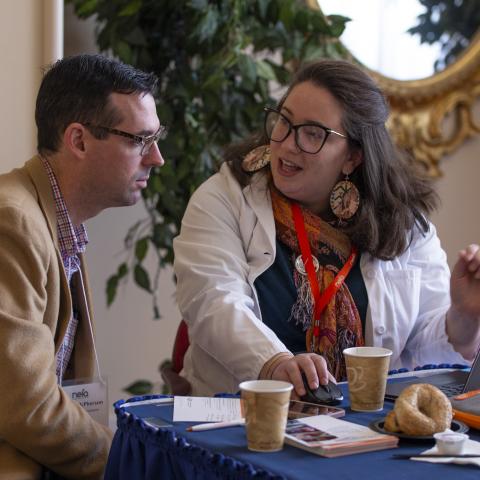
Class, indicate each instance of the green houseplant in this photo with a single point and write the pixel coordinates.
(219, 63)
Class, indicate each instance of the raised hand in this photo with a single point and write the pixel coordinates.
(463, 318)
(465, 282)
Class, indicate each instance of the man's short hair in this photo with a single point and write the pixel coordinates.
(77, 89)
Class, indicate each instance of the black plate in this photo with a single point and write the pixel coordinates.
(377, 425)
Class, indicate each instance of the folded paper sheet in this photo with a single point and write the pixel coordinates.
(206, 409)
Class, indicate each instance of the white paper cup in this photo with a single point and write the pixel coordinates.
(266, 410)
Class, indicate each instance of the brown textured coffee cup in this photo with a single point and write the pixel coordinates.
(265, 403)
(367, 370)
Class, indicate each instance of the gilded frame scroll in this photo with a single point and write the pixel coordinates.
(433, 116)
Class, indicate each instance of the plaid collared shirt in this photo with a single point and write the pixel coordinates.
(72, 241)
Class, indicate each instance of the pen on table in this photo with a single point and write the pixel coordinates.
(432, 455)
(214, 425)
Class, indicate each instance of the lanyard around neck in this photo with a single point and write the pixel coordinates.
(320, 300)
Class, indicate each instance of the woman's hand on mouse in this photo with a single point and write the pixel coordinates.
(314, 367)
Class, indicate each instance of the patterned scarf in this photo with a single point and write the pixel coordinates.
(340, 324)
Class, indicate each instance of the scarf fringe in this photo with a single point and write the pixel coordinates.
(303, 308)
(332, 353)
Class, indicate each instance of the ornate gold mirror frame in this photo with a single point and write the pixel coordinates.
(420, 108)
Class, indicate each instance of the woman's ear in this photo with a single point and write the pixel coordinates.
(74, 139)
(356, 158)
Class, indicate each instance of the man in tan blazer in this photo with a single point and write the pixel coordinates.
(97, 142)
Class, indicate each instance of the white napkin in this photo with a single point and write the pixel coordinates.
(470, 447)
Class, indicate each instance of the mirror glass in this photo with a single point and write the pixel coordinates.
(378, 33)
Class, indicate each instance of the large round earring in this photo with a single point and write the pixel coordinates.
(344, 199)
(256, 159)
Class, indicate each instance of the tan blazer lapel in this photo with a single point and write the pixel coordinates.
(41, 182)
(83, 353)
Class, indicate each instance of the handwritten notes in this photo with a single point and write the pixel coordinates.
(206, 409)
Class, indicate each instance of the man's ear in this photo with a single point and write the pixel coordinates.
(356, 158)
(74, 139)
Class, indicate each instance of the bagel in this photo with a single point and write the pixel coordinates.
(420, 409)
(390, 423)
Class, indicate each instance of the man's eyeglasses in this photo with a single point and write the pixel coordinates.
(309, 137)
(145, 141)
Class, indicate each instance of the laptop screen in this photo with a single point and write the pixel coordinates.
(473, 380)
(451, 383)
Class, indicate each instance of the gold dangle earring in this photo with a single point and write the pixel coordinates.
(256, 159)
(344, 200)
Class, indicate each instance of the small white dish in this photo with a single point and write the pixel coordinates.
(450, 443)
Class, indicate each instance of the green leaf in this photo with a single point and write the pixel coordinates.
(338, 23)
(213, 81)
(319, 23)
(287, 13)
(124, 51)
(265, 70)
(111, 289)
(164, 113)
(207, 26)
(199, 4)
(122, 270)
(301, 20)
(263, 8)
(141, 248)
(314, 52)
(190, 120)
(155, 183)
(141, 277)
(167, 363)
(88, 8)
(248, 68)
(130, 9)
(139, 387)
(332, 50)
(160, 231)
(132, 231)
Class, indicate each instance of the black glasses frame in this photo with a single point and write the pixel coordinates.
(295, 128)
(146, 141)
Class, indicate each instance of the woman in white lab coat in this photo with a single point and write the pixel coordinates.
(314, 237)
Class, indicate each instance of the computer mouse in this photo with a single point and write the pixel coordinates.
(329, 394)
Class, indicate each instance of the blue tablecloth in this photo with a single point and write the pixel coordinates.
(140, 452)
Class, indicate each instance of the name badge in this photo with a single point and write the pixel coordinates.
(92, 395)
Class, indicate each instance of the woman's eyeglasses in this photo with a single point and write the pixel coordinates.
(309, 137)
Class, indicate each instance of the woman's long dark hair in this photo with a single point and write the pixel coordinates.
(394, 196)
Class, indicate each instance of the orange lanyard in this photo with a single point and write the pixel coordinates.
(320, 300)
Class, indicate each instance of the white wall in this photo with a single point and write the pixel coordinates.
(30, 37)
(21, 60)
(457, 220)
(130, 343)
